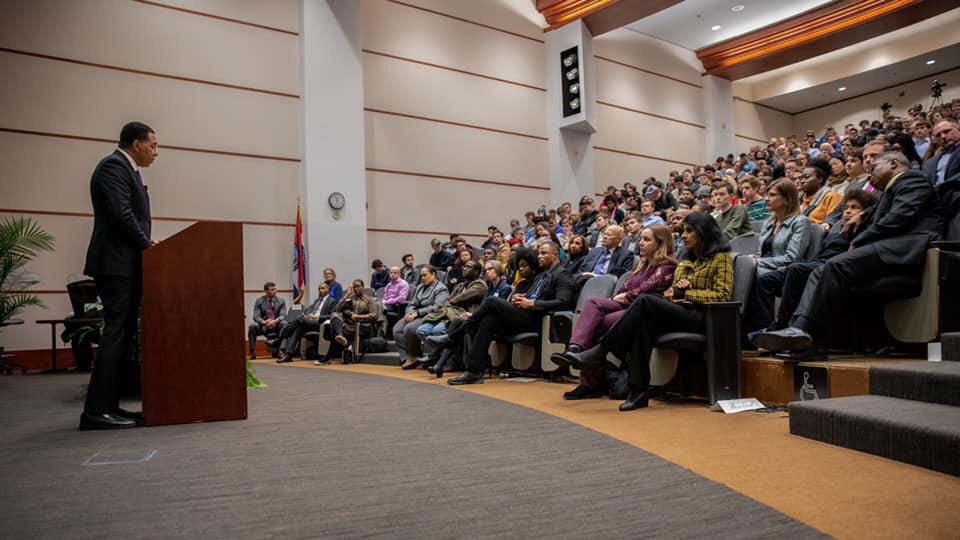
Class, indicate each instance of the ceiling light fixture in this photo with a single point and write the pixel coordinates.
(841, 89)
(715, 27)
(929, 62)
(736, 8)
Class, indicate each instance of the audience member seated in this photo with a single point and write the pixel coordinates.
(354, 308)
(551, 290)
(440, 259)
(269, 317)
(380, 276)
(704, 275)
(408, 272)
(497, 286)
(426, 298)
(649, 215)
(455, 274)
(676, 229)
(330, 278)
(786, 233)
(609, 258)
(733, 220)
(652, 275)
(662, 200)
(788, 283)
(465, 297)
(576, 253)
(395, 294)
(310, 321)
(587, 216)
(750, 197)
(839, 180)
(818, 201)
(894, 243)
(943, 168)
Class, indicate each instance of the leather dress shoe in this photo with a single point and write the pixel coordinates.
(285, 358)
(253, 355)
(92, 421)
(636, 400)
(441, 341)
(574, 348)
(583, 392)
(788, 339)
(410, 364)
(594, 356)
(467, 377)
(136, 416)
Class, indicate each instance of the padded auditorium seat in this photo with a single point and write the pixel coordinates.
(720, 345)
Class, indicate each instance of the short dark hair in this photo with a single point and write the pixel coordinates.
(377, 263)
(134, 131)
(405, 255)
(429, 268)
(865, 199)
(267, 285)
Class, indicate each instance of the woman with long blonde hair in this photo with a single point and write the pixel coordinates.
(652, 274)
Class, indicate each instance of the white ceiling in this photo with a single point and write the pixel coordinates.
(866, 82)
(688, 24)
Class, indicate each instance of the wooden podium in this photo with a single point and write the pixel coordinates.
(194, 368)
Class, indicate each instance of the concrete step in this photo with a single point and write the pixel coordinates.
(915, 432)
(933, 382)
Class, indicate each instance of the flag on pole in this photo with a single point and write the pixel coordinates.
(299, 274)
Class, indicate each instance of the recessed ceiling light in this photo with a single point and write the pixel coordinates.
(738, 7)
(715, 27)
(931, 62)
(841, 89)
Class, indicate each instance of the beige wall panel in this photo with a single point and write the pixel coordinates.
(627, 87)
(744, 145)
(519, 16)
(167, 41)
(616, 169)
(283, 14)
(433, 204)
(760, 122)
(267, 255)
(30, 335)
(641, 134)
(182, 184)
(397, 86)
(399, 30)
(66, 98)
(427, 147)
(649, 53)
(867, 107)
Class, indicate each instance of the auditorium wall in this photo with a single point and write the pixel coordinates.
(867, 106)
(455, 112)
(219, 81)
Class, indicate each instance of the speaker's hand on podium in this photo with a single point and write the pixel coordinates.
(154, 243)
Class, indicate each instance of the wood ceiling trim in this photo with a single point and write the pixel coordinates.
(845, 22)
(561, 12)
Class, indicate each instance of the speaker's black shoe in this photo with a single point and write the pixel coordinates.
(92, 421)
(583, 392)
(136, 416)
(467, 377)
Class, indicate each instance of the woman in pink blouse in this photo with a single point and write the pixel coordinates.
(653, 274)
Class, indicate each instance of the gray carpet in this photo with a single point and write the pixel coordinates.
(936, 382)
(915, 432)
(341, 455)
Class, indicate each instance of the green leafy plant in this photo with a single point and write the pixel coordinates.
(21, 239)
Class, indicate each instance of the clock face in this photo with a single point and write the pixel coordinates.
(337, 200)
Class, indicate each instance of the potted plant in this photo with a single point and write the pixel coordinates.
(21, 239)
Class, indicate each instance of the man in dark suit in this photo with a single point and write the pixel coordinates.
(121, 232)
(894, 243)
(310, 321)
(551, 290)
(943, 169)
(608, 258)
(269, 317)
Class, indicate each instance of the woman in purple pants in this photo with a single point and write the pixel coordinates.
(653, 274)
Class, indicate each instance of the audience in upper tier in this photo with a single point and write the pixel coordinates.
(841, 222)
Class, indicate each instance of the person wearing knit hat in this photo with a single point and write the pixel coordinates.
(818, 201)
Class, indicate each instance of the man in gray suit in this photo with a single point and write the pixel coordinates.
(312, 318)
(269, 316)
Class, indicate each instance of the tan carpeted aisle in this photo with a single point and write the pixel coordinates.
(841, 492)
